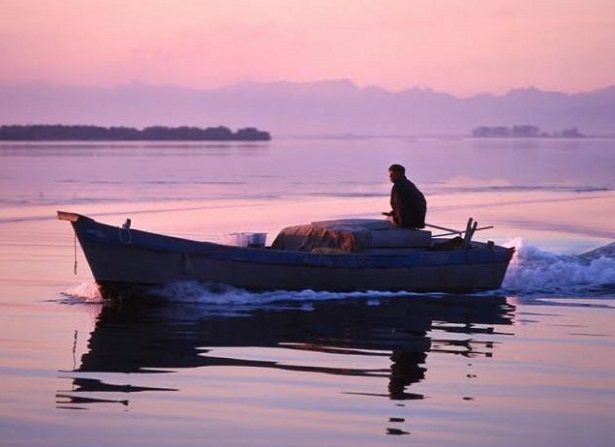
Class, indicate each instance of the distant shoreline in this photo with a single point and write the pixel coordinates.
(523, 131)
(50, 132)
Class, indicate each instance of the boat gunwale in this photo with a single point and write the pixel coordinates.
(88, 230)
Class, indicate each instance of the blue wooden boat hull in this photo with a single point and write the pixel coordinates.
(122, 258)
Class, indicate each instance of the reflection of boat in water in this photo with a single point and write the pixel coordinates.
(170, 336)
(343, 255)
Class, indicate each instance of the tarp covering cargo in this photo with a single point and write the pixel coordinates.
(349, 235)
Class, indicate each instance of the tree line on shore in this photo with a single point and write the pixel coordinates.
(45, 132)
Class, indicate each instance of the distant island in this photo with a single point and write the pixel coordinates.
(524, 131)
(44, 132)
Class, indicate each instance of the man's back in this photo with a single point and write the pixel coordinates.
(408, 204)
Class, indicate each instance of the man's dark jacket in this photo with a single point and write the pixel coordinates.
(408, 204)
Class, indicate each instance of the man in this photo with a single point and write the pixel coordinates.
(407, 202)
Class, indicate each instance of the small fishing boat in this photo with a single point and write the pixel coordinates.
(339, 255)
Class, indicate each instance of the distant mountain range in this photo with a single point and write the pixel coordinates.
(316, 108)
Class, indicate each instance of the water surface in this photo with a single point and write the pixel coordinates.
(530, 364)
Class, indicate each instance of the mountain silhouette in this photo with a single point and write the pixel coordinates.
(336, 107)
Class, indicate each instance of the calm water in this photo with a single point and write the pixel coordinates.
(531, 364)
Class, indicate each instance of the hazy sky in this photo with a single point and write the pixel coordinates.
(456, 46)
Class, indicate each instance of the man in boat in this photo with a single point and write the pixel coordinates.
(408, 204)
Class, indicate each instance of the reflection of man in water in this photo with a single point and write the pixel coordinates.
(407, 370)
(408, 204)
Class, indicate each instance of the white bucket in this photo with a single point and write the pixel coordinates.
(250, 239)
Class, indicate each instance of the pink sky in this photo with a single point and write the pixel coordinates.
(457, 46)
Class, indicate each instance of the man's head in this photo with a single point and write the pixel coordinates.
(396, 172)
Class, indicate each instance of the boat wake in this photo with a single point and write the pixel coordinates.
(231, 301)
(533, 271)
(86, 292)
(194, 292)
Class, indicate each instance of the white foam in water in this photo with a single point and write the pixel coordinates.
(208, 294)
(534, 271)
(87, 291)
